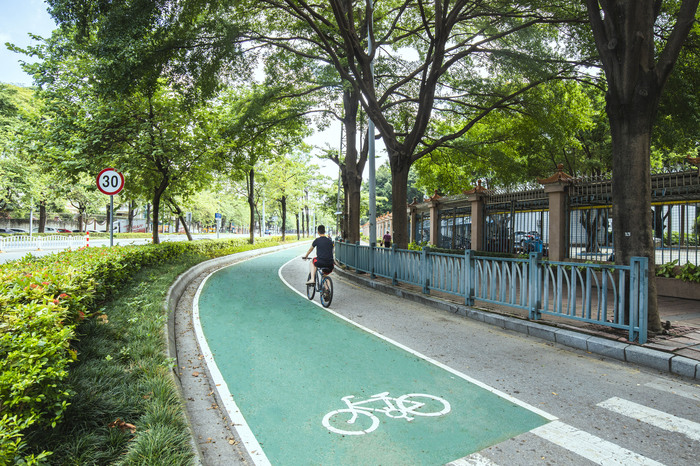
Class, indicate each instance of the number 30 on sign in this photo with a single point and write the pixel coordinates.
(110, 181)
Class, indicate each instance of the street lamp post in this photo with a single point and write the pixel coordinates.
(370, 142)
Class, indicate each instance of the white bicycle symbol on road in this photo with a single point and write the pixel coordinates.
(342, 421)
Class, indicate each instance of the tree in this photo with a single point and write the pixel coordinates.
(25, 181)
(451, 41)
(678, 123)
(383, 188)
(637, 63)
(293, 46)
(254, 128)
(85, 198)
(557, 122)
(285, 180)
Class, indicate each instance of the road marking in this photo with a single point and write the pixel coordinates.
(403, 407)
(239, 423)
(472, 460)
(653, 417)
(505, 396)
(589, 446)
(685, 391)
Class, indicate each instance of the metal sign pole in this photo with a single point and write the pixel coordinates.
(111, 217)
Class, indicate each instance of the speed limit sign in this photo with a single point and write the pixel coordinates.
(110, 181)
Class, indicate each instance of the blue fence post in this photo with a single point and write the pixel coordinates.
(468, 279)
(424, 278)
(394, 267)
(639, 299)
(535, 293)
(356, 263)
(372, 257)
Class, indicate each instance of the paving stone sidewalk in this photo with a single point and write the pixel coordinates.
(676, 350)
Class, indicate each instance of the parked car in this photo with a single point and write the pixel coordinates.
(17, 230)
(63, 230)
(5, 230)
(46, 230)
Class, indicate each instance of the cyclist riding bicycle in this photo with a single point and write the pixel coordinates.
(324, 254)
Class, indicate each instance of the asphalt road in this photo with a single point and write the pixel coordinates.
(11, 255)
(596, 410)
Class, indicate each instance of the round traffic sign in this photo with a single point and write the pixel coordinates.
(110, 181)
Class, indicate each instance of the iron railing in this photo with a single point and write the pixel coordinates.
(613, 296)
(12, 243)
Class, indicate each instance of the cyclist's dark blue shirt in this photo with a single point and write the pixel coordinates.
(324, 250)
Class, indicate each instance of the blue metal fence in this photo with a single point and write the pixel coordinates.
(609, 295)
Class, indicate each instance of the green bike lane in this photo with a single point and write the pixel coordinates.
(282, 363)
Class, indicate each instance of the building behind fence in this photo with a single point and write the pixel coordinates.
(565, 218)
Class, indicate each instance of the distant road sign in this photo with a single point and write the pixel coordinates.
(110, 181)
(217, 215)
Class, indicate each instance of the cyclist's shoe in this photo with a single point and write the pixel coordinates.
(310, 282)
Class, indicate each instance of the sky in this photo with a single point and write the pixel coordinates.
(18, 18)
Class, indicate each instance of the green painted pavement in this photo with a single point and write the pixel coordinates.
(288, 363)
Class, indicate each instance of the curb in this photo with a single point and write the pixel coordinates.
(626, 352)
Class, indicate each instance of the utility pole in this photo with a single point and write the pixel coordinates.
(370, 143)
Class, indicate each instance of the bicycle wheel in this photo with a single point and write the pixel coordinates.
(420, 404)
(349, 422)
(326, 291)
(310, 289)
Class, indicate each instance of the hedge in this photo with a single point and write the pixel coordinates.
(42, 300)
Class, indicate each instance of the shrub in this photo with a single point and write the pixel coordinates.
(690, 273)
(42, 301)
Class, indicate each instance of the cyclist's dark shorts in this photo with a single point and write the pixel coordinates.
(327, 268)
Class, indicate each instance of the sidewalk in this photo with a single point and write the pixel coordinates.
(676, 350)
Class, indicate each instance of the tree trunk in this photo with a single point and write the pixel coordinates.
(132, 207)
(345, 219)
(42, 216)
(400, 168)
(251, 204)
(178, 211)
(148, 217)
(632, 215)
(283, 203)
(298, 231)
(352, 181)
(156, 208)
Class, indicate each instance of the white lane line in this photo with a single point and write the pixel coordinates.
(239, 423)
(686, 391)
(589, 446)
(474, 459)
(653, 417)
(505, 396)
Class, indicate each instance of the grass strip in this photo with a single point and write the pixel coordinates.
(125, 407)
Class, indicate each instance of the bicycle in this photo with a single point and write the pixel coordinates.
(404, 407)
(323, 284)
